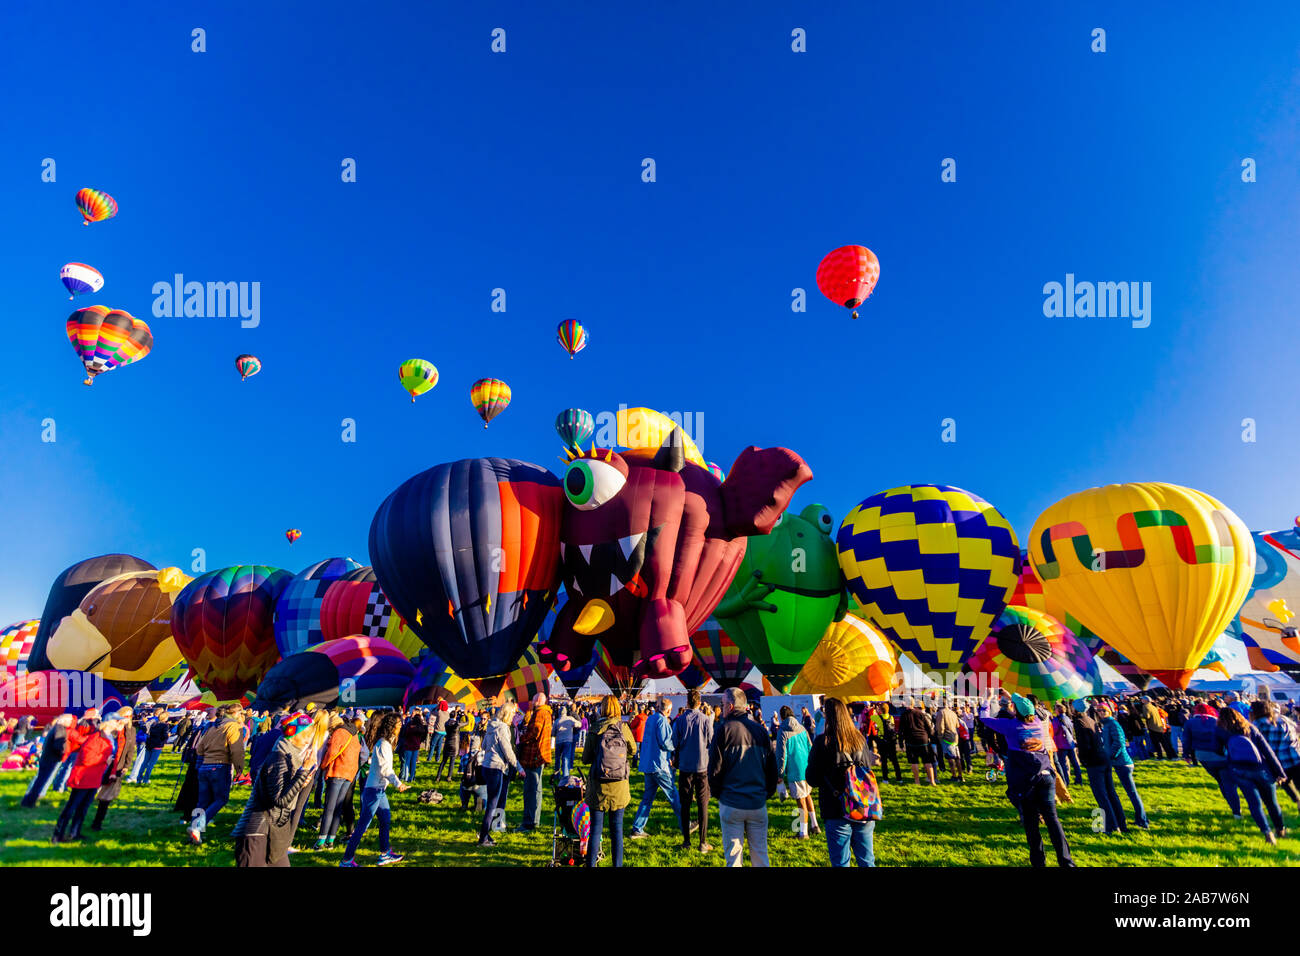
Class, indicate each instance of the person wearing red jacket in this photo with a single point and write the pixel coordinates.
(95, 753)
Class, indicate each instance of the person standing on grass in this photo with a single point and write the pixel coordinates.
(219, 757)
(692, 735)
(1063, 738)
(850, 822)
(450, 748)
(1101, 781)
(92, 756)
(154, 742)
(656, 747)
(1256, 770)
(414, 733)
(1031, 779)
(1115, 749)
(566, 734)
(947, 729)
(56, 735)
(609, 750)
(382, 737)
(123, 758)
(742, 773)
(535, 754)
(264, 831)
(1281, 734)
(338, 767)
(792, 748)
(915, 727)
(437, 731)
(499, 764)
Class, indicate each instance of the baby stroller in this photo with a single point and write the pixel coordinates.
(572, 820)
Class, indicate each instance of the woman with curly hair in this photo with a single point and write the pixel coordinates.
(381, 736)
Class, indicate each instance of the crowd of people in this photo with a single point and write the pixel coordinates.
(830, 760)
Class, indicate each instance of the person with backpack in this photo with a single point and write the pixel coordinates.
(742, 772)
(1031, 779)
(1063, 738)
(1114, 748)
(1201, 746)
(499, 763)
(840, 767)
(609, 750)
(1256, 770)
(1101, 781)
(793, 745)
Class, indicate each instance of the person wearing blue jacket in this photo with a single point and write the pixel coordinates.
(1256, 769)
(792, 747)
(1114, 747)
(656, 745)
(1201, 746)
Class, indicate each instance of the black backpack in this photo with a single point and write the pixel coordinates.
(610, 765)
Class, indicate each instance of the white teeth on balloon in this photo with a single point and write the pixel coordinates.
(630, 543)
(615, 585)
(586, 552)
(561, 552)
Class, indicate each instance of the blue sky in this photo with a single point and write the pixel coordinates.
(522, 171)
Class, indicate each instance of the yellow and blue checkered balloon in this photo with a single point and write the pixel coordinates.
(932, 567)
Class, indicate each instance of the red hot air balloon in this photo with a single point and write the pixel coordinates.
(847, 275)
(293, 534)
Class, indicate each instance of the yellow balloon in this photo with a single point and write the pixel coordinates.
(853, 661)
(1158, 569)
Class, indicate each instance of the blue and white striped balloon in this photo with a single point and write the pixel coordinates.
(81, 279)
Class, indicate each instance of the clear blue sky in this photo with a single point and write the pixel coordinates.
(523, 171)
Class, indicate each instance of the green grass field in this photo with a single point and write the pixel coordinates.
(951, 825)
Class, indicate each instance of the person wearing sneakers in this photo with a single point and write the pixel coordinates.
(220, 758)
(265, 829)
(382, 738)
(339, 766)
(792, 748)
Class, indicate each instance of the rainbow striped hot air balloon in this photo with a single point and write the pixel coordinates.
(105, 339)
(490, 396)
(417, 376)
(1034, 653)
(718, 655)
(95, 205)
(247, 365)
(80, 279)
(571, 336)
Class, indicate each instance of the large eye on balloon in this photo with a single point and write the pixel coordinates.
(589, 483)
(821, 518)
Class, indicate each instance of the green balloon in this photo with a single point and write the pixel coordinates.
(785, 595)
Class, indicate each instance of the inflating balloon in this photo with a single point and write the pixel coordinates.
(292, 535)
(575, 427)
(122, 629)
(718, 655)
(95, 205)
(1125, 667)
(847, 275)
(105, 339)
(489, 396)
(417, 376)
(247, 365)
(1267, 621)
(16, 643)
(356, 671)
(619, 677)
(1033, 653)
(298, 608)
(571, 336)
(355, 604)
(467, 553)
(853, 662)
(693, 676)
(223, 622)
(716, 471)
(45, 694)
(67, 591)
(81, 279)
(529, 678)
(1213, 661)
(932, 567)
(1156, 568)
(785, 595)
(1029, 593)
(434, 681)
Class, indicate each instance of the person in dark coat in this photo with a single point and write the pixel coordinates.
(265, 830)
(123, 760)
(56, 735)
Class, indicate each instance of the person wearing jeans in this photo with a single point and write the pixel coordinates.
(338, 767)
(656, 745)
(220, 754)
(742, 773)
(843, 837)
(1115, 749)
(692, 734)
(615, 835)
(1255, 769)
(374, 796)
(1100, 779)
(609, 750)
(566, 730)
(842, 746)
(498, 758)
(534, 755)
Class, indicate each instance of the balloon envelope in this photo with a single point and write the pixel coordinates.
(247, 365)
(298, 607)
(848, 275)
(95, 205)
(1034, 653)
(853, 662)
(1270, 612)
(81, 279)
(417, 376)
(105, 339)
(67, 591)
(355, 671)
(489, 396)
(16, 643)
(717, 654)
(575, 427)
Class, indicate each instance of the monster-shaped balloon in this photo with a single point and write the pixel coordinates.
(785, 595)
(67, 591)
(650, 541)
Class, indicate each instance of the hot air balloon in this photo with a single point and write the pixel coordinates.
(717, 654)
(247, 365)
(694, 676)
(95, 205)
(1213, 661)
(1033, 653)
(355, 671)
(16, 642)
(468, 554)
(1156, 568)
(81, 279)
(434, 681)
(847, 275)
(105, 339)
(355, 604)
(716, 471)
(932, 567)
(571, 336)
(646, 428)
(1267, 620)
(298, 607)
(490, 396)
(1125, 667)
(43, 695)
(618, 677)
(67, 591)
(122, 629)
(292, 535)
(1029, 593)
(575, 427)
(785, 595)
(418, 376)
(223, 624)
(852, 662)
(529, 678)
